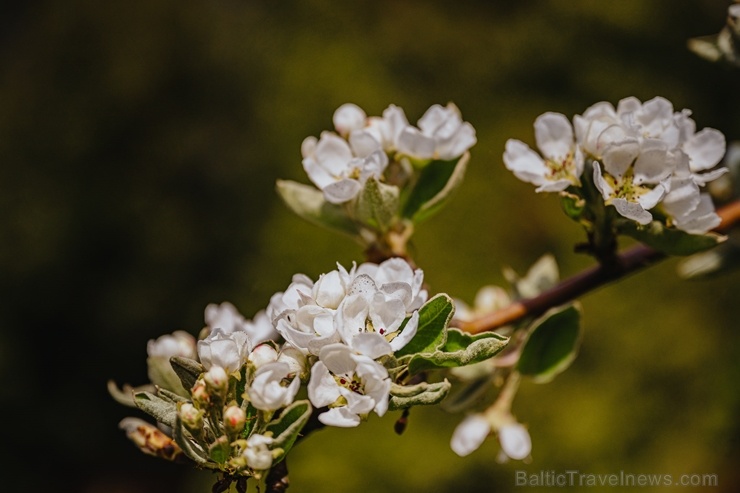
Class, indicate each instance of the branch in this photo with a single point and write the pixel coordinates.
(630, 261)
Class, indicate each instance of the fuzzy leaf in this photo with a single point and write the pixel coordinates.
(669, 240)
(163, 410)
(460, 349)
(422, 394)
(161, 374)
(170, 396)
(309, 203)
(377, 204)
(286, 427)
(552, 344)
(193, 451)
(187, 369)
(432, 331)
(437, 180)
(125, 395)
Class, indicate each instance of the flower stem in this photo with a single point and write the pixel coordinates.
(630, 261)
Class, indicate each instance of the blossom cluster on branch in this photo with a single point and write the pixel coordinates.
(369, 338)
(642, 156)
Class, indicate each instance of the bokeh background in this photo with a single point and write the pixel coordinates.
(139, 146)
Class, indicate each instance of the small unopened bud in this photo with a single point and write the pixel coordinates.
(234, 420)
(295, 359)
(217, 380)
(200, 393)
(261, 355)
(191, 417)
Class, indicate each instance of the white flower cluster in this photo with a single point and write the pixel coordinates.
(341, 163)
(644, 156)
(348, 320)
(335, 328)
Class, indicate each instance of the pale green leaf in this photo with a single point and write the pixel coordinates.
(309, 203)
(422, 394)
(669, 240)
(187, 369)
(286, 427)
(460, 349)
(434, 186)
(163, 410)
(552, 344)
(431, 333)
(377, 204)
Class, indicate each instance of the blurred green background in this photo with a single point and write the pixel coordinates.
(139, 146)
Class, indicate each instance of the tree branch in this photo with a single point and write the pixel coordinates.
(630, 261)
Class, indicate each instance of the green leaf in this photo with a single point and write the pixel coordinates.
(669, 240)
(161, 374)
(286, 427)
(436, 182)
(552, 344)
(422, 394)
(187, 369)
(163, 410)
(434, 317)
(309, 203)
(377, 204)
(220, 450)
(460, 349)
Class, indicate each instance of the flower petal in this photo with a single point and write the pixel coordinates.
(470, 434)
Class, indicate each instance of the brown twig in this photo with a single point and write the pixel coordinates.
(630, 261)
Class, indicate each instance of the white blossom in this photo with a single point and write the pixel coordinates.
(336, 170)
(228, 319)
(262, 355)
(347, 118)
(562, 162)
(295, 359)
(271, 388)
(229, 351)
(442, 134)
(646, 156)
(370, 300)
(378, 299)
(179, 343)
(382, 132)
(257, 453)
(351, 384)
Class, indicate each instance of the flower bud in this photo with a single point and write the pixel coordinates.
(200, 394)
(217, 381)
(261, 355)
(191, 417)
(348, 117)
(234, 420)
(515, 441)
